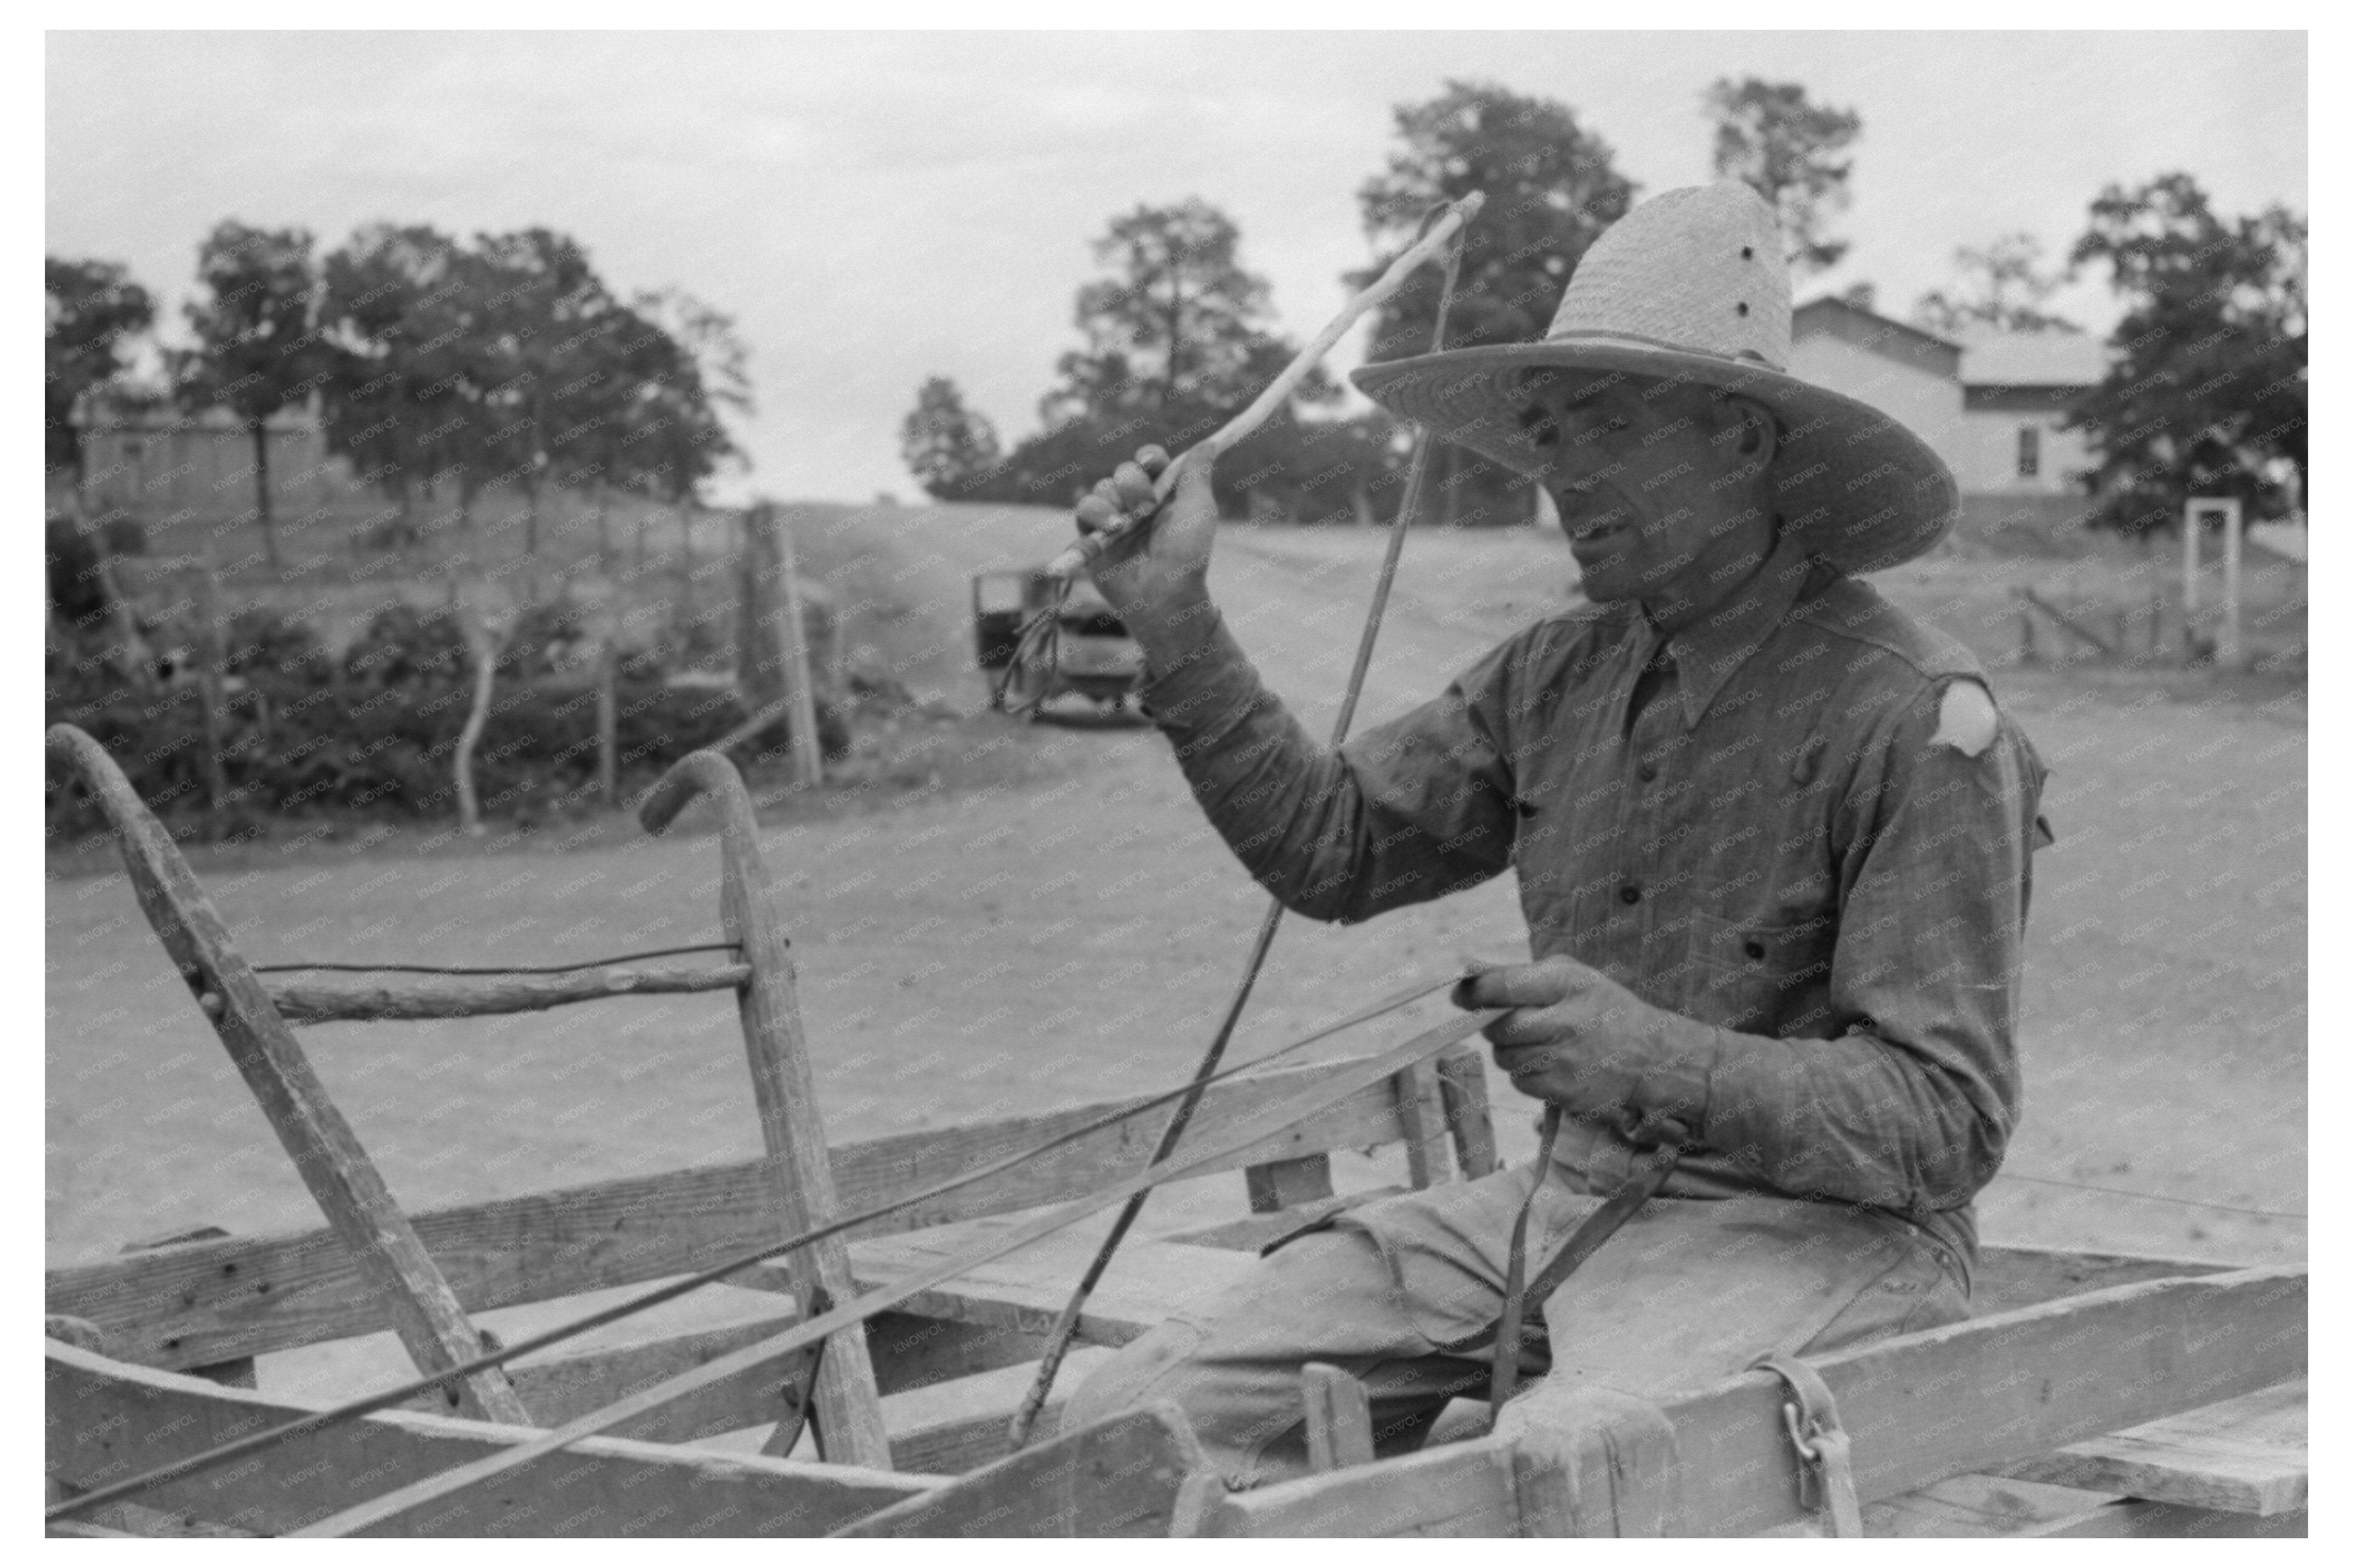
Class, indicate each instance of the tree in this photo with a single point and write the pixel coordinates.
(257, 344)
(1179, 328)
(2206, 390)
(399, 403)
(539, 312)
(2003, 286)
(1552, 188)
(1178, 341)
(1785, 147)
(946, 445)
(91, 310)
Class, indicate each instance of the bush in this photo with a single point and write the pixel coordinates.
(362, 746)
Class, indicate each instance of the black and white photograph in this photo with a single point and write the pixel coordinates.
(1021, 776)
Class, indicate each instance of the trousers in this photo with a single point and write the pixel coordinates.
(1404, 1294)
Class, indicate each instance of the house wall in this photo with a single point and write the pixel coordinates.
(169, 473)
(1984, 453)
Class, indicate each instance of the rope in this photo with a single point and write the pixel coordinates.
(1065, 1329)
(2154, 1197)
(387, 1398)
(498, 968)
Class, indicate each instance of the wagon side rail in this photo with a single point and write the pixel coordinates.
(1972, 1397)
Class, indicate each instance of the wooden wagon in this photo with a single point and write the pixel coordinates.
(2092, 1396)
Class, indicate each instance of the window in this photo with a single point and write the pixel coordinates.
(2030, 451)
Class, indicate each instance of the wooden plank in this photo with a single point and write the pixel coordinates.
(108, 1420)
(1124, 1476)
(955, 1428)
(330, 1000)
(2168, 1521)
(799, 1168)
(1947, 1402)
(1462, 1092)
(1424, 1120)
(1339, 1417)
(390, 1263)
(1026, 1291)
(212, 1302)
(2248, 1455)
(1252, 1131)
(2009, 1277)
(1253, 1234)
(1279, 1183)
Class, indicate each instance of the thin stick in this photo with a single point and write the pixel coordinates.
(1076, 559)
(1066, 1327)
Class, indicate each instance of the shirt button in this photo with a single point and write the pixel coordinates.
(1630, 894)
(1646, 772)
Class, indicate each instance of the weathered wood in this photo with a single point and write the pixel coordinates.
(1121, 1477)
(2168, 1521)
(1279, 1183)
(238, 1372)
(1252, 1131)
(376, 1237)
(188, 1306)
(327, 1001)
(1597, 1463)
(1025, 1292)
(1947, 1402)
(1253, 1234)
(955, 1427)
(2009, 1277)
(1425, 1123)
(2248, 1455)
(108, 1420)
(1339, 1417)
(848, 1410)
(1462, 1092)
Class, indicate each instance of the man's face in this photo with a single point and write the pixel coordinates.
(1646, 477)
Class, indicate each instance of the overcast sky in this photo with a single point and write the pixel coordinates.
(875, 208)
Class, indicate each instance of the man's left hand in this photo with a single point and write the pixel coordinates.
(1579, 1040)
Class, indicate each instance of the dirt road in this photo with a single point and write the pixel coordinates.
(1062, 940)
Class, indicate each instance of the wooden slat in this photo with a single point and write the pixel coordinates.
(799, 1168)
(387, 1259)
(1424, 1119)
(1124, 1476)
(2248, 1455)
(1947, 1402)
(1280, 1184)
(1462, 1092)
(212, 1302)
(108, 1420)
(2168, 1521)
(1339, 1417)
(334, 1000)
(1026, 1290)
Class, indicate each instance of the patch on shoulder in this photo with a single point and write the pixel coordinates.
(1965, 719)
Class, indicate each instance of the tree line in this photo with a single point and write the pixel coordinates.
(2205, 393)
(437, 362)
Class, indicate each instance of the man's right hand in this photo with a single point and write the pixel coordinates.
(1157, 578)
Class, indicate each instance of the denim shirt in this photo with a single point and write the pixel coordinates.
(1804, 840)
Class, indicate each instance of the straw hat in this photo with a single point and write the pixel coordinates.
(1691, 285)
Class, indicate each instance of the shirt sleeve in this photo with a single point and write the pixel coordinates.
(1407, 812)
(1911, 1107)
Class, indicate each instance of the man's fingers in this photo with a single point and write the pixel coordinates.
(1521, 985)
(1095, 513)
(1133, 487)
(1151, 459)
(1523, 1028)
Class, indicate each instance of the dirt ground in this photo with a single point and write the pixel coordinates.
(1068, 928)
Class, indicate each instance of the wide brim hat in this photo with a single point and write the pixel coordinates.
(1691, 287)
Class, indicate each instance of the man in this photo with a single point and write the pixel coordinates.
(1772, 839)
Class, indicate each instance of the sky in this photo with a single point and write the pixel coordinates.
(878, 207)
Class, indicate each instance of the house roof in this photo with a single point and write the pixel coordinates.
(1831, 314)
(2033, 358)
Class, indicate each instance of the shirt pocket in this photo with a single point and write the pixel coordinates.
(1758, 977)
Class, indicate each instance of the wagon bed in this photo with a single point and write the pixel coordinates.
(2095, 1395)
